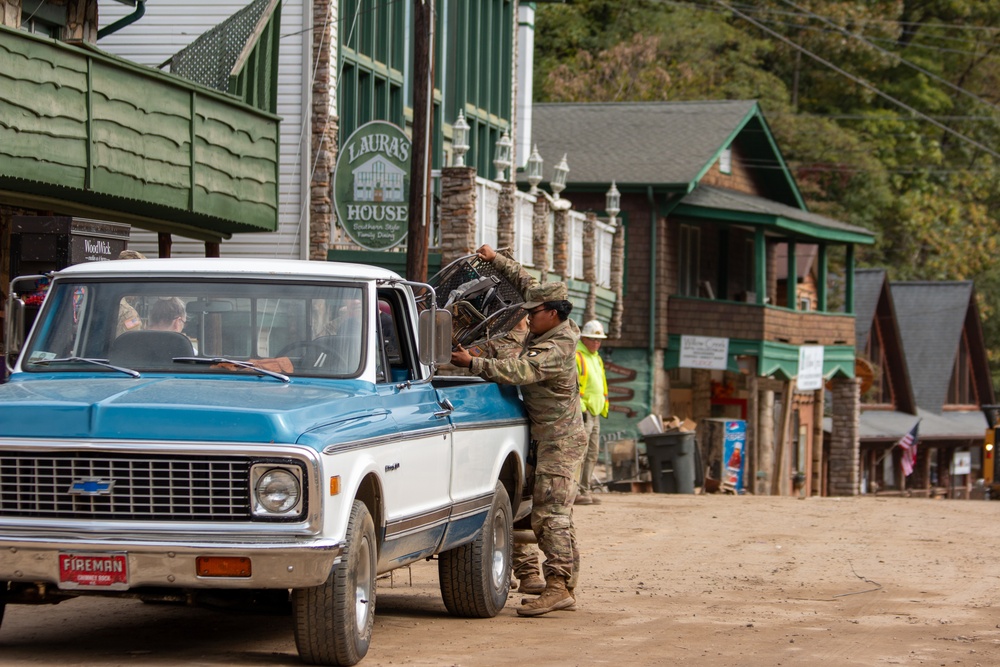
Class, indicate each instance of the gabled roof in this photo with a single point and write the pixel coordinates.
(657, 143)
(873, 301)
(931, 317)
(869, 285)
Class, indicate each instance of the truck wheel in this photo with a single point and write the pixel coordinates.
(475, 577)
(333, 621)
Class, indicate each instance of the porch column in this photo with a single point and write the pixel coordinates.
(560, 244)
(540, 236)
(505, 217)
(760, 265)
(590, 264)
(849, 280)
(822, 278)
(792, 282)
(458, 213)
(211, 249)
(163, 244)
(765, 443)
(617, 279)
(844, 458)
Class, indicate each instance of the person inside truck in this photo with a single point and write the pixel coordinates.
(169, 314)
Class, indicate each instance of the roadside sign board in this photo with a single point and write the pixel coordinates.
(704, 352)
(810, 375)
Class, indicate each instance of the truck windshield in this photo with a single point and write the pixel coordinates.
(294, 329)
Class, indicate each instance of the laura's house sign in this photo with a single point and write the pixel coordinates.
(371, 188)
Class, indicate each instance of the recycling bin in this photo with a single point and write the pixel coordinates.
(674, 461)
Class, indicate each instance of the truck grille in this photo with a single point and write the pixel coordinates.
(126, 487)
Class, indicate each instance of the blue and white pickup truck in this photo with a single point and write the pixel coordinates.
(283, 431)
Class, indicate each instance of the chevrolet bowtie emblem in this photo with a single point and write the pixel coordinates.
(91, 486)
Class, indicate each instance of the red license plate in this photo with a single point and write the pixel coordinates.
(83, 570)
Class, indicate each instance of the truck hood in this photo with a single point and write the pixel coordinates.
(219, 409)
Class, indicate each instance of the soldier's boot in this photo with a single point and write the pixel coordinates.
(572, 607)
(585, 497)
(554, 597)
(532, 584)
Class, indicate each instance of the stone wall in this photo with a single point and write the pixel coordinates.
(505, 216)
(842, 474)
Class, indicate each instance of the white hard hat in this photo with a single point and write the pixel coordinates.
(593, 329)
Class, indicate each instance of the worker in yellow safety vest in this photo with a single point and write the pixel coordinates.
(593, 401)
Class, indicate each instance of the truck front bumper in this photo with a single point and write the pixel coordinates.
(171, 563)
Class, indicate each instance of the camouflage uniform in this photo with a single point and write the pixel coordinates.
(128, 318)
(546, 371)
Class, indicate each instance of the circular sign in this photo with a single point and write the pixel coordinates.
(371, 186)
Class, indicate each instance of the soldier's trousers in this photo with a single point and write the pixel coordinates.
(552, 522)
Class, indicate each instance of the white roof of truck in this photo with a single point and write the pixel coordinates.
(242, 267)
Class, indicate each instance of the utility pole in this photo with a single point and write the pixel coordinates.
(420, 159)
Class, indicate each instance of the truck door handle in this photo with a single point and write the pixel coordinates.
(448, 408)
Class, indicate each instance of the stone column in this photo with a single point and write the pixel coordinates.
(324, 133)
(618, 279)
(458, 213)
(701, 394)
(765, 443)
(540, 235)
(81, 20)
(842, 475)
(590, 264)
(560, 244)
(505, 217)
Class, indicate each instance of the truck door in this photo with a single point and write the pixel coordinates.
(417, 465)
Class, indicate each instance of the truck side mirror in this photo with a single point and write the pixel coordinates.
(13, 335)
(437, 330)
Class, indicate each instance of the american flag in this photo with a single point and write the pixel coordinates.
(908, 443)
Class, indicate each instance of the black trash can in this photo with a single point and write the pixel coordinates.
(674, 461)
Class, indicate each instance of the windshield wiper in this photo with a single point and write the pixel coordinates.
(103, 363)
(241, 364)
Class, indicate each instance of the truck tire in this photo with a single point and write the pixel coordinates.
(333, 621)
(475, 577)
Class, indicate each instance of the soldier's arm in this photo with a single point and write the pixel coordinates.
(539, 363)
(515, 273)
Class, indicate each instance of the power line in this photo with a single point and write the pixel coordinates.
(860, 81)
(906, 62)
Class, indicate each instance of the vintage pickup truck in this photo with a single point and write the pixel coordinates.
(284, 433)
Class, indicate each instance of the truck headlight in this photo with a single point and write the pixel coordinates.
(277, 490)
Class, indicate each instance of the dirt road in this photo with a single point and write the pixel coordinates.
(681, 580)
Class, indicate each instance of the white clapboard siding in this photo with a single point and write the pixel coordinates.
(170, 25)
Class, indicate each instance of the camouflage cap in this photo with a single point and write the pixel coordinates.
(539, 294)
(130, 254)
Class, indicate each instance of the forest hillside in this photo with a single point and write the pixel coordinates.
(886, 110)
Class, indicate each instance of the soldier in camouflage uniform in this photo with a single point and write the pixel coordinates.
(546, 372)
(524, 557)
(128, 317)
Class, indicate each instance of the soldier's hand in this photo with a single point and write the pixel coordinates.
(460, 357)
(486, 253)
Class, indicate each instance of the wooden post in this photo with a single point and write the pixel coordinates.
(779, 483)
(420, 164)
(212, 249)
(163, 243)
(818, 474)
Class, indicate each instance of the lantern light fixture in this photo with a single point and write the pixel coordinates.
(502, 155)
(459, 140)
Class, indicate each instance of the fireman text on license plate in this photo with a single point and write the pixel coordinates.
(85, 570)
